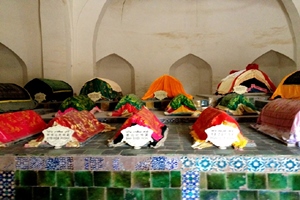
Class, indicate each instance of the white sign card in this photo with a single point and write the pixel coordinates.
(240, 89)
(160, 94)
(137, 136)
(95, 96)
(58, 136)
(222, 135)
(40, 97)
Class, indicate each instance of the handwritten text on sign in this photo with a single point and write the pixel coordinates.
(137, 136)
(58, 136)
(222, 135)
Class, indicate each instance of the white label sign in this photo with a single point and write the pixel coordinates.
(40, 97)
(95, 96)
(240, 89)
(222, 135)
(137, 136)
(58, 136)
(160, 94)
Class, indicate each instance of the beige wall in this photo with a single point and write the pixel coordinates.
(147, 38)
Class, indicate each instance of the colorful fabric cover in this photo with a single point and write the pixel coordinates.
(128, 105)
(212, 117)
(167, 83)
(55, 90)
(237, 104)
(253, 78)
(109, 89)
(180, 105)
(15, 126)
(280, 118)
(14, 98)
(79, 102)
(289, 87)
(143, 118)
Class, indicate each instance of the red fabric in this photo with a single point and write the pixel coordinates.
(17, 125)
(144, 118)
(84, 124)
(130, 108)
(208, 118)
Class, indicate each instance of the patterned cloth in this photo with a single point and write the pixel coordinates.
(128, 105)
(102, 86)
(281, 118)
(180, 105)
(80, 102)
(19, 125)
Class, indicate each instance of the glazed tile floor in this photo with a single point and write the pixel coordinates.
(178, 142)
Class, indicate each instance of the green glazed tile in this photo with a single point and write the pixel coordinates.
(211, 195)
(294, 180)
(78, 193)
(216, 181)
(64, 179)
(121, 179)
(102, 179)
(135, 194)
(256, 181)
(21, 192)
(115, 194)
(248, 195)
(171, 193)
(203, 180)
(160, 179)
(46, 178)
(83, 178)
(151, 194)
(289, 196)
(236, 180)
(41, 193)
(226, 195)
(141, 179)
(28, 178)
(59, 193)
(277, 181)
(175, 178)
(96, 193)
(267, 194)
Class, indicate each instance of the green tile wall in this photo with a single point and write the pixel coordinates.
(149, 185)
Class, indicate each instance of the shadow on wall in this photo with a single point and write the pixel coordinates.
(194, 73)
(12, 67)
(117, 69)
(276, 65)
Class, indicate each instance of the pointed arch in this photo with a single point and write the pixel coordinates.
(12, 67)
(118, 69)
(194, 73)
(276, 65)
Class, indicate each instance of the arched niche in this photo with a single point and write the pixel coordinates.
(13, 69)
(117, 69)
(194, 73)
(275, 65)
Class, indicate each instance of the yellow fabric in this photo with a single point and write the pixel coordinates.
(287, 91)
(167, 83)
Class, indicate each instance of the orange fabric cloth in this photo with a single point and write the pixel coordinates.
(167, 83)
(17, 125)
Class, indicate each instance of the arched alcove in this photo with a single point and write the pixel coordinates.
(276, 65)
(13, 69)
(194, 73)
(116, 68)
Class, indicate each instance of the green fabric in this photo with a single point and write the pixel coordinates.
(56, 85)
(80, 102)
(132, 99)
(98, 85)
(232, 101)
(180, 100)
